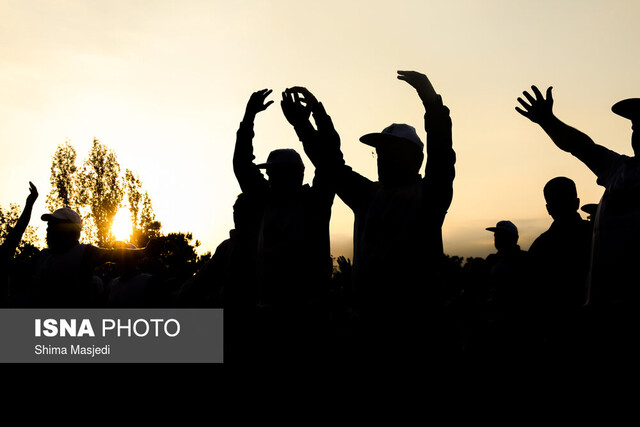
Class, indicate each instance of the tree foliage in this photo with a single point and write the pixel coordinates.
(101, 189)
(143, 219)
(97, 191)
(64, 179)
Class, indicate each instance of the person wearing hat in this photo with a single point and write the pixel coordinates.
(511, 303)
(398, 218)
(293, 251)
(613, 279)
(11, 242)
(65, 269)
(560, 259)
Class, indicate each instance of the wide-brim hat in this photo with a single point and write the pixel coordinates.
(628, 108)
(282, 157)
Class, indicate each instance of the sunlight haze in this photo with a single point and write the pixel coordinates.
(164, 84)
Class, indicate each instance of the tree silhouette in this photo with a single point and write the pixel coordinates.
(64, 179)
(143, 218)
(97, 192)
(102, 189)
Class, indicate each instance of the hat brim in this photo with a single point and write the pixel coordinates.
(377, 139)
(590, 208)
(627, 108)
(494, 229)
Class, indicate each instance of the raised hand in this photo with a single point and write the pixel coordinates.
(344, 264)
(421, 84)
(257, 103)
(539, 109)
(33, 194)
(297, 104)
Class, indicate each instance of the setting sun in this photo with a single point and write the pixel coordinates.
(122, 227)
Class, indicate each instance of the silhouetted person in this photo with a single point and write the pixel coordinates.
(398, 247)
(613, 280)
(293, 254)
(560, 260)
(11, 242)
(131, 288)
(511, 300)
(65, 269)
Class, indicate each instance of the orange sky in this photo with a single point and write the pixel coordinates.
(165, 83)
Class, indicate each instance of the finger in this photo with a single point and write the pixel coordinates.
(524, 113)
(530, 98)
(267, 104)
(537, 93)
(549, 95)
(267, 92)
(524, 104)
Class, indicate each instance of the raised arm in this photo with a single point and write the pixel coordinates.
(249, 176)
(322, 145)
(15, 235)
(439, 170)
(540, 110)
(95, 256)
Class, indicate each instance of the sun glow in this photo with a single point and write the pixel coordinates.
(121, 227)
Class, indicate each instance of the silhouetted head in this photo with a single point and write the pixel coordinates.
(562, 197)
(285, 170)
(505, 235)
(400, 153)
(63, 229)
(630, 109)
(245, 213)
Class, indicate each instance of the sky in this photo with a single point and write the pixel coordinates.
(165, 84)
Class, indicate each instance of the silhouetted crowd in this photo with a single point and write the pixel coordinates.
(574, 294)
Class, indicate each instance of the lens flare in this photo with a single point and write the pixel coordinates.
(121, 227)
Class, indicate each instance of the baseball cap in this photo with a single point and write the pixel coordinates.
(628, 108)
(64, 215)
(281, 157)
(505, 226)
(399, 132)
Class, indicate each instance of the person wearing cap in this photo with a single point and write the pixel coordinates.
(398, 245)
(612, 287)
(11, 242)
(65, 269)
(560, 259)
(293, 252)
(511, 302)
